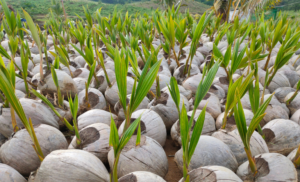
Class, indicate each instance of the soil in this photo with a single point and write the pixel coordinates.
(174, 174)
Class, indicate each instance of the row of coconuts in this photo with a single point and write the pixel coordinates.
(219, 155)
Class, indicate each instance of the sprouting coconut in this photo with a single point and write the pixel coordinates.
(218, 91)
(164, 81)
(279, 137)
(66, 84)
(212, 173)
(141, 176)
(119, 109)
(282, 92)
(192, 83)
(182, 90)
(233, 140)
(9, 174)
(181, 76)
(208, 128)
(148, 156)
(19, 153)
(295, 104)
(212, 103)
(151, 125)
(102, 80)
(274, 112)
(222, 82)
(81, 73)
(209, 151)
(95, 116)
(274, 101)
(71, 165)
(279, 80)
(166, 108)
(271, 167)
(94, 139)
(111, 93)
(95, 100)
(37, 111)
(231, 122)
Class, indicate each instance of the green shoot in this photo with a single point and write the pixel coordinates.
(59, 95)
(74, 110)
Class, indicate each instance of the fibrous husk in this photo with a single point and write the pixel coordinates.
(296, 117)
(274, 112)
(112, 93)
(80, 83)
(274, 101)
(141, 176)
(182, 90)
(212, 103)
(209, 151)
(234, 142)
(279, 137)
(192, 83)
(148, 156)
(71, 165)
(102, 79)
(20, 85)
(94, 139)
(18, 152)
(279, 80)
(120, 111)
(166, 108)
(271, 167)
(35, 110)
(65, 82)
(9, 174)
(164, 70)
(81, 73)
(282, 92)
(95, 116)
(212, 173)
(96, 99)
(151, 125)
(222, 82)
(79, 60)
(218, 91)
(295, 104)
(231, 121)
(208, 128)
(292, 76)
(179, 72)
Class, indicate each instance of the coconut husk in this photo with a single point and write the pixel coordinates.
(148, 156)
(151, 125)
(166, 108)
(96, 100)
(94, 139)
(279, 137)
(71, 165)
(271, 167)
(9, 174)
(212, 173)
(208, 128)
(19, 153)
(95, 116)
(209, 151)
(282, 92)
(141, 176)
(234, 142)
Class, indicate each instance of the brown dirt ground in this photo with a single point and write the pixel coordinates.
(174, 174)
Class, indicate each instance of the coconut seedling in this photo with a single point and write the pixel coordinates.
(60, 97)
(196, 33)
(189, 143)
(119, 143)
(74, 110)
(289, 46)
(294, 95)
(7, 87)
(25, 61)
(240, 85)
(79, 33)
(9, 23)
(246, 133)
(63, 56)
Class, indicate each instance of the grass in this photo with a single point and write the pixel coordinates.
(39, 9)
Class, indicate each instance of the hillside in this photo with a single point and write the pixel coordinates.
(40, 8)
